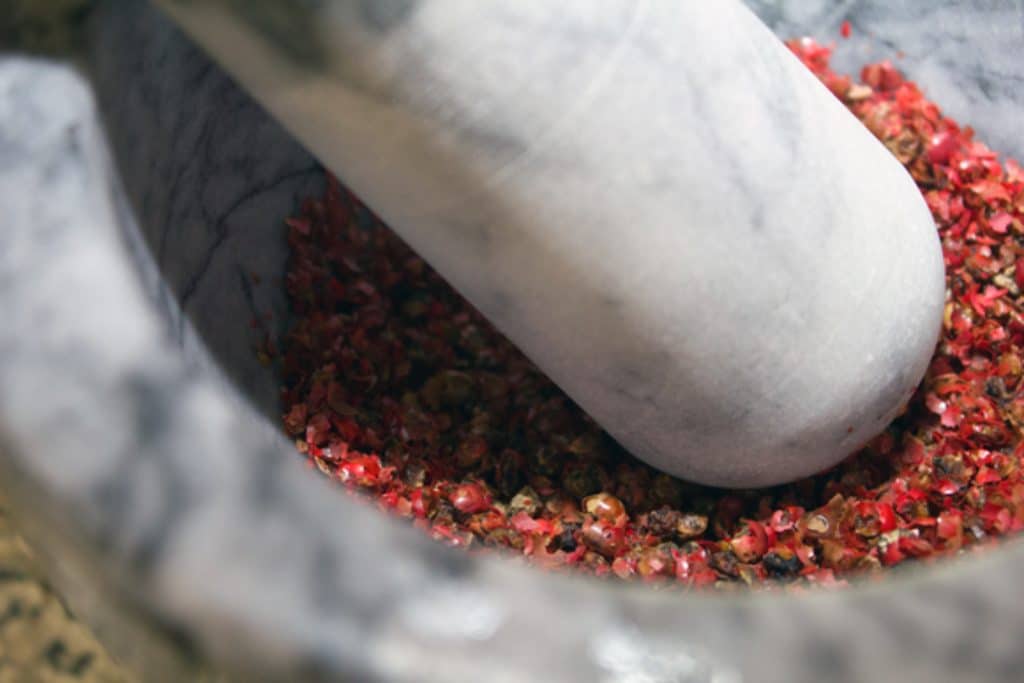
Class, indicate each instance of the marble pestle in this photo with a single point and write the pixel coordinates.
(654, 200)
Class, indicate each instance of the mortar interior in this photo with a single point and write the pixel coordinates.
(211, 177)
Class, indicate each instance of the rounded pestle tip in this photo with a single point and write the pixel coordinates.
(655, 201)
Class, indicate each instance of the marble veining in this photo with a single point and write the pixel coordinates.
(208, 204)
(134, 444)
(649, 163)
(966, 54)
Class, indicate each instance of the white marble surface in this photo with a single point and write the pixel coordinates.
(170, 510)
(966, 53)
(687, 232)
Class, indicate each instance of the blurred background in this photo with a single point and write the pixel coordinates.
(40, 640)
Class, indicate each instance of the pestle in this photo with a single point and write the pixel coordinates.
(654, 200)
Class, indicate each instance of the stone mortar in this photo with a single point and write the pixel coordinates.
(139, 437)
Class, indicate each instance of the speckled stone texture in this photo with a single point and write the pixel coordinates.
(140, 459)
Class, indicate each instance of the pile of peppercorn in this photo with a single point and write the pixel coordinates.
(396, 387)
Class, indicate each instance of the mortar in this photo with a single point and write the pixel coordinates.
(140, 439)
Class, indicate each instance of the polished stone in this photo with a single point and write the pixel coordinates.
(690, 235)
(136, 447)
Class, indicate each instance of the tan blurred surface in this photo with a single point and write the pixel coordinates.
(39, 639)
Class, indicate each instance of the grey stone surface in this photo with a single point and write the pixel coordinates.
(137, 450)
(689, 234)
(966, 53)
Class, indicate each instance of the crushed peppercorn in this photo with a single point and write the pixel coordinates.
(395, 386)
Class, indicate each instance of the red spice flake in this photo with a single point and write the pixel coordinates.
(750, 542)
(398, 388)
(604, 537)
(881, 76)
(470, 498)
(1000, 222)
(844, 29)
(942, 146)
